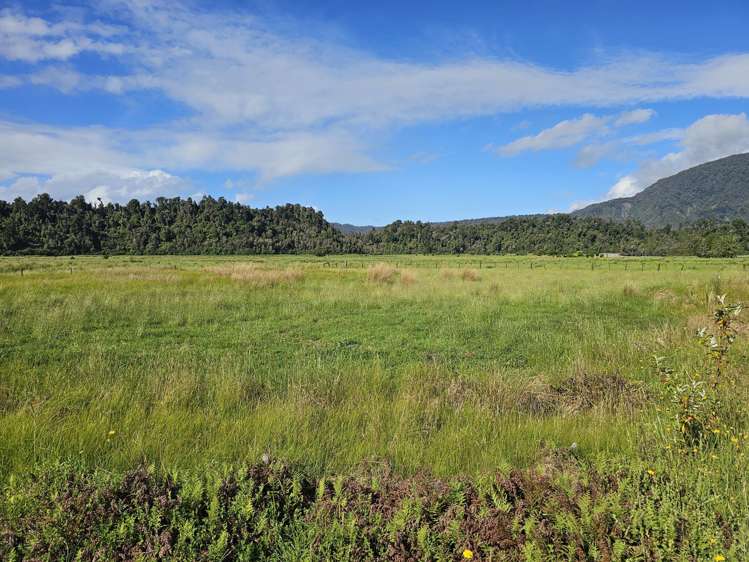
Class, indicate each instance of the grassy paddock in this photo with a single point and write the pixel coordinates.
(450, 364)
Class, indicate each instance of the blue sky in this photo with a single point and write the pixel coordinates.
(368, 111)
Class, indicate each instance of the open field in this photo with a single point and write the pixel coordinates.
(454, 366)
(328, 368)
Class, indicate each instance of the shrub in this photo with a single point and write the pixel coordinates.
(703, 406)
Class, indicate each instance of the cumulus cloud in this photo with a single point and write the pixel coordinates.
(107, 186)
(122, 164)
(709, 138)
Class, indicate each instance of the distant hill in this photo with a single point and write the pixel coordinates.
(352, 228)
(716, 190)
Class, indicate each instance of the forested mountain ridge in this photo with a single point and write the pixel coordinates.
(44, 226)
(717, 190)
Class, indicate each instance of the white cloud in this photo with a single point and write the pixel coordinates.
(107, 186)
(634, 117)
(124, 164)
(275, 104)
(627, 186)
(656, 136)
(32, 39)
(564, 134)
(574, 131)
(591, 154)
(709, 138)
(244, 198)
(233, 68)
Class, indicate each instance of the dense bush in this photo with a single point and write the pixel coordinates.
(168, 226)
(215, 226)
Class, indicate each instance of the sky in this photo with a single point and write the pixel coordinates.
(368, 111)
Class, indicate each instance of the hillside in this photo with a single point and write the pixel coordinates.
(354, 229)
(717, 190)
(347, 228)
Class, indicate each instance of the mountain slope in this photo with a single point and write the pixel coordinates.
(715, 190)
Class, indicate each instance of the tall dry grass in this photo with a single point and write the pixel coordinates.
(256, 276)
(463, 274)
(382, 273)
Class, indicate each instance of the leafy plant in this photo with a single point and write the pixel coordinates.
(702, 404)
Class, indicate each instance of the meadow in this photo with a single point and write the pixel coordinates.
(452, 367)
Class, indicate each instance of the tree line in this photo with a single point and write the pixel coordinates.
(44, 226)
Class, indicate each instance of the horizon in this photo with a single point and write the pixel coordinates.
(369, 114)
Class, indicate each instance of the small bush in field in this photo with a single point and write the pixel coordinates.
(703, 406)
(382, 273)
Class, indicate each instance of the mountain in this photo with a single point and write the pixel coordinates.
(717, 190)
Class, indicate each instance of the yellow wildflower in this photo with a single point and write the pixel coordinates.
(719, 558)
(651, 472)
(111, 433)
(468, 554)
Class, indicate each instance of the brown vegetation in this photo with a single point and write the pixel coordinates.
(382, 273)
(256, 276)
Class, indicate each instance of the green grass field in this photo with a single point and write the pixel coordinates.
(429, 371)
(454, 366)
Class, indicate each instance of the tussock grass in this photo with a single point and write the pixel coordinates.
(382, 273)
(257, 276)
(466, 274)
(407, 277)
(470, 275)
